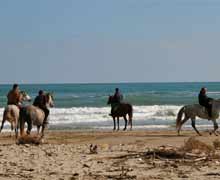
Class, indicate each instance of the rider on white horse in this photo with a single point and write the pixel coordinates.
(205, 101)
(40, 101)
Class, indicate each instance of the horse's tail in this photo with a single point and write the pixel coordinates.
(130, 114)
(179, 116)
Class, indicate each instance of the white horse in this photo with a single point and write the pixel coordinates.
(11, 113)
(196, 110)
(34, 116)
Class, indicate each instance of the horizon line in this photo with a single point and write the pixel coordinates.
(124, 82)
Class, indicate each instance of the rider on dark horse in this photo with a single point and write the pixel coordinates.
(40, 101)
(117, 99)
(14, 96)
(205, 101)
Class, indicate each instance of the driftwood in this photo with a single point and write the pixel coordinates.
(192, 151)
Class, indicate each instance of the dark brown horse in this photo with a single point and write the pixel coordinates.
(121, 110)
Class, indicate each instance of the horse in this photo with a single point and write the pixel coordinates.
(122, 110)
(196, 110)
(34, 116)
(11, 113)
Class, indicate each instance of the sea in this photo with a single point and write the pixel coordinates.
(84, 106)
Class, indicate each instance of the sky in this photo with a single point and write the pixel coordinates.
(104, 41)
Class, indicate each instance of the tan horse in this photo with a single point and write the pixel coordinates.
(122, 110)
(11, 113)
(34, 116)
(196, 110)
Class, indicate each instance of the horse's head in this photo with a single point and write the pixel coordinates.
(24, 96)
(49, 99)
(109, 100)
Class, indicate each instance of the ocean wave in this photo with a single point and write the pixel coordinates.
(214, 92)
(144, 117)
(100, 114)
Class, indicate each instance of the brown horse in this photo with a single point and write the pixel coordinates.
(121, 110)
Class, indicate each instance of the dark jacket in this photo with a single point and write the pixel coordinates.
(40, 101)
(204, 100)
(118, 97)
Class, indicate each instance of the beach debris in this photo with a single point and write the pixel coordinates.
(216, 144)
(197, 147)
(93, 149)
(29, 139)
(193, 151)
(184, 176)
(86, 166)
(213, 174)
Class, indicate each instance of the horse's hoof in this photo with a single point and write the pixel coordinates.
(42, 136)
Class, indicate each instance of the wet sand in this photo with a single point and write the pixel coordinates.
(67, 155)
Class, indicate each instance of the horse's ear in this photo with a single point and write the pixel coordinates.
(52, 94)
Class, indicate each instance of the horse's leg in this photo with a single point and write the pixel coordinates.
(29, 122)
(16, 132)
(16, 127)
(181, 123)
(3, 121)
(125, 123)
(42, 131)
(29, 128)
(215, 127)
(22, 126)
(38, 130)
(130, 121)
(118, 123)
(114, 124)
(12, 128)
(194, 126)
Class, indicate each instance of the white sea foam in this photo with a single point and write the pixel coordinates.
(97, 114)
(151, 116)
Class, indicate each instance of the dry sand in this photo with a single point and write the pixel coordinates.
(66, 155)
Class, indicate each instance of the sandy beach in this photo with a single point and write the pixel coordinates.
(119, 155)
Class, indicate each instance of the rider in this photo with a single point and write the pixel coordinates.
(205, 101)
(14, 96)
(117, 98)
(40, 101)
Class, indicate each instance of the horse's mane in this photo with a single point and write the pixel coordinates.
(23, 92)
